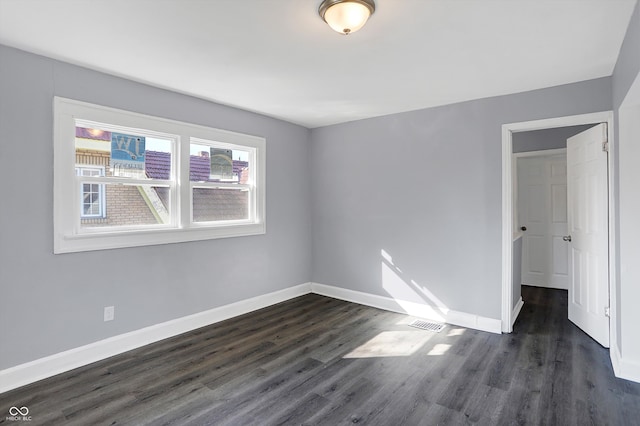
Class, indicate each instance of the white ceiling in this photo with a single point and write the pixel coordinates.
(277, 57)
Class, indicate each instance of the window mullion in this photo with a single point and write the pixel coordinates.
(183, 181)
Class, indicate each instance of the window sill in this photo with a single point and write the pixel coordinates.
(124, 239)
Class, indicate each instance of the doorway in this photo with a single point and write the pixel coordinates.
(541, 203)
(510, 288)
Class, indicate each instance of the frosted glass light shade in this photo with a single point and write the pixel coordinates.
(346, 16)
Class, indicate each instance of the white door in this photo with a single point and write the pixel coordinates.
(588, 231)
(542, 211)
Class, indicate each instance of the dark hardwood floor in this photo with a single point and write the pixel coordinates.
(320, 361)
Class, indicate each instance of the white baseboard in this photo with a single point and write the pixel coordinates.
(516, 311)
(42, 368)
(622, 368)
(421, 310)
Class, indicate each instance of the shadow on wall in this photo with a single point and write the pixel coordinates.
(411, 297)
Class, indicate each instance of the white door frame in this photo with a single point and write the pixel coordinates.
(541, 153)
(628, 367)
(508, 208)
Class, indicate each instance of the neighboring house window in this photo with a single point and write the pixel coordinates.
(145, 180)
(92, 203)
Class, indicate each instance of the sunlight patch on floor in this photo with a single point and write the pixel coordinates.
(456, 332)
(391, 343)
(439, 349)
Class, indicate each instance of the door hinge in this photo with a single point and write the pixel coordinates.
(605, 146)
(607, 312)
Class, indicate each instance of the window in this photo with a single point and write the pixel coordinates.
(123, 179)
(91, 194)
(220, 176)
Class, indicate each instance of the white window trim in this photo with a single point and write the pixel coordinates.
(67, 237)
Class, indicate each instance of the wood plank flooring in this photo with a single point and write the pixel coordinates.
(320, 361)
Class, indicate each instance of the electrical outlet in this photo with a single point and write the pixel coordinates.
(109, 313)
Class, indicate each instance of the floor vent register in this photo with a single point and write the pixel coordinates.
(427, 325)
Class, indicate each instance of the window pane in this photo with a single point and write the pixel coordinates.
(220, 204)
(90, 172)
(211, 164)
(91, 200)
(128, 205)
(122, 154)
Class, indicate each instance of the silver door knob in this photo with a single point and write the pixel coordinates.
(566, 238)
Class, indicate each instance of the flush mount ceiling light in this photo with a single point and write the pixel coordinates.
(346, 16)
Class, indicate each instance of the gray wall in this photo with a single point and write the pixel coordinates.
(51, 303)
(539, 140)
(626, 71)
(425, 187)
